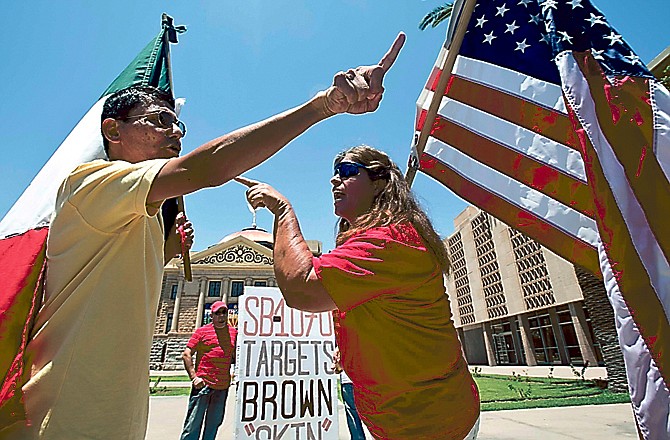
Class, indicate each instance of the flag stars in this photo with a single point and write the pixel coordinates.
(481, 21)
(614, 38)
(522, 46)
(633, 59)
(525, 2)
(546, 39)
(597, 54)
(565, 37)
(575, 4)
(511, 27)
(549, 4)
(501, 10)
(595, 19)
(488, 38)
(535, 19)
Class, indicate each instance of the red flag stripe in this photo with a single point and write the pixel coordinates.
(531, 172)
(563, 244)
(529, 115)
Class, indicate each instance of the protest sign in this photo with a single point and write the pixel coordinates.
(286, 386)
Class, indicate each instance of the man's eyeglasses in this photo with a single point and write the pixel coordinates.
(225, 312)
(161, 118)
(348, 169)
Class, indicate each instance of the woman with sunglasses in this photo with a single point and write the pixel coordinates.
(384, 281)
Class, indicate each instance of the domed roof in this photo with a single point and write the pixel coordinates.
(260, 236)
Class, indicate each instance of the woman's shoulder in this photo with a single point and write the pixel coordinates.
(403, 232)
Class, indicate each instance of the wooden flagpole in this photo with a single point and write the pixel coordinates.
(168, 24)
(446, 68)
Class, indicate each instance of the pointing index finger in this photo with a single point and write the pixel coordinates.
(246, 182)
(390, 57)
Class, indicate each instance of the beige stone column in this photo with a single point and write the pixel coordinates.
(488, 341)
(225, 287)
(201, 302)
(583, 335)
(527, 341)
(558, 335)
(177, 306)
(248, 281)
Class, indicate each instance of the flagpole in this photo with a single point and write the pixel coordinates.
(166, 22)
(446, 69)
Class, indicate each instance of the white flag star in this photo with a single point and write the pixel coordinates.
(614, 38)
(488, 38)
(575, 3)
(546, 39)
(535, 19)
(481, 21)
(566, 37)
(525, 2)
(501, 10)
(633, 59)
(548, 4)
(521, 45)
(597, 54)
(511, 27)
(595, 19)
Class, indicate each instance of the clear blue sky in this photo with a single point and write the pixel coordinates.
(239, 62)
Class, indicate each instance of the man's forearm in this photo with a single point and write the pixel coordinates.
(219, 160)
(188, 366)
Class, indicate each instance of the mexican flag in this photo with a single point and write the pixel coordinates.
(24, 229)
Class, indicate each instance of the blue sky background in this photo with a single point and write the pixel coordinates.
(239, 62)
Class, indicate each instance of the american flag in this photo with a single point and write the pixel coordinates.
(552, 123)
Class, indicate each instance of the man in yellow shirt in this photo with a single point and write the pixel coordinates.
(89, 352)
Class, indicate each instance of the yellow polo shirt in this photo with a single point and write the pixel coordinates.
(89, 356)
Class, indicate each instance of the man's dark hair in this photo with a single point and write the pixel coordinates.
(119, 104)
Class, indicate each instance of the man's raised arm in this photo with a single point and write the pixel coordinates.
(217, 161)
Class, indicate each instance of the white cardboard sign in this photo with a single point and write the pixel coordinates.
(286, 388)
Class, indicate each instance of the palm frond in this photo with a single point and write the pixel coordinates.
(436, 16)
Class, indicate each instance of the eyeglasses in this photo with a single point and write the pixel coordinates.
(348, 169)
(221, 313)
(161, 118)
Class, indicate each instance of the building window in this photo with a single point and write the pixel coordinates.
(544, 341)
(173, 291)
(260, 283)
(237, 288)
(214, 289)
(168, 322)
(207, 316)
(505, 344)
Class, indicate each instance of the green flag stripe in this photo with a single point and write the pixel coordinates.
(150, 67)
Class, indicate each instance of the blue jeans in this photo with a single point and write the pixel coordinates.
(207, 404)
(353, 421)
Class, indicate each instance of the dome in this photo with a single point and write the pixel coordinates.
(260, 236)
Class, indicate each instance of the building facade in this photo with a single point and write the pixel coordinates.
(220, 273)
(513, 301)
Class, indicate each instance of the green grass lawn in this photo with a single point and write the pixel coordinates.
(497, 392)
(517, 392)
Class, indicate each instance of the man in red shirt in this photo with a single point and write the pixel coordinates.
(214, 346)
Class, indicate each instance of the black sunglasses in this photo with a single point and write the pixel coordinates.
(348, 169)
(161, 118)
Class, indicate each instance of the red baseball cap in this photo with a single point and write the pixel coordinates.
(218, 305)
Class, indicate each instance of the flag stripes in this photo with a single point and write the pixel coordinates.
(509, 135)
(635, 253)
(531, 223)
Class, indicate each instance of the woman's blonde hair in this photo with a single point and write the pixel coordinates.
(393, 205)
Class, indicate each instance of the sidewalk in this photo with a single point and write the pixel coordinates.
(601, 422)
